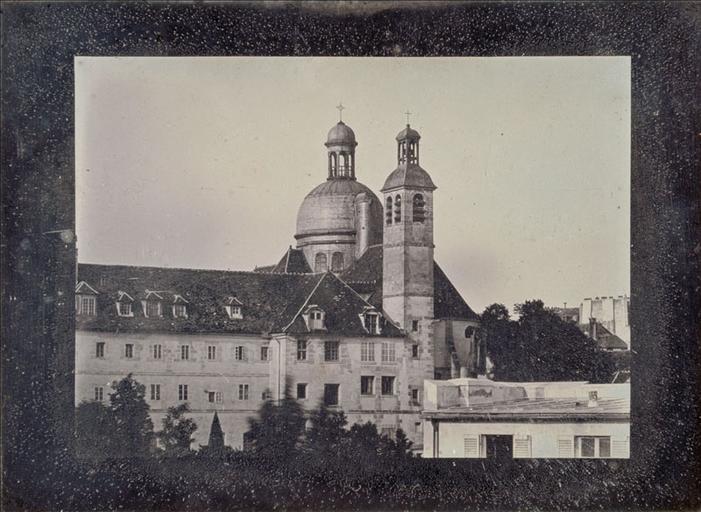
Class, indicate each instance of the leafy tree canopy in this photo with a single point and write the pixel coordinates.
(176, 436)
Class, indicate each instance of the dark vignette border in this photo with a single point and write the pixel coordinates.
(39, 41)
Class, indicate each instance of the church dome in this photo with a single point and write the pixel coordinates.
(409, 176)
(331, 208)
(341, 135)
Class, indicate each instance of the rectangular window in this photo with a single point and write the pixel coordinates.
(371, 323)
(415, 325)
(415, 351)
(153, 308)
(99, 393)
(182, 392)
(236, 312)
(129, 350)
(387, 385)
(156, 351)
(301, 350)
(316, 320)
(124, 308)
(215, 397)
(87, 306)
(388, 354)
(155, 391)
(179, 311)
(414, 395)
(331, 394)
(263, 353)
(330, 351)
(593, 447)
(301, 391)
(240, 353)
(266, 395)
(100, 349)
(243, 391)
(367, 351)
(211, 352)
(367, 385)
(184, 352)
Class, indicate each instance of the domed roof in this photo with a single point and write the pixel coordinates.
(331, 207)
(341, 135)
(409, 175)
(408, 133)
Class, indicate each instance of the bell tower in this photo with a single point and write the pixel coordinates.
(407, 284)
(341, 149)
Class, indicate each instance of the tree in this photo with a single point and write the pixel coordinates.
(94, 426)
(276, 433)
(326, 434)
(133, 428)
(176, 436)
(401, 445)
(216, 434)
(540, 346)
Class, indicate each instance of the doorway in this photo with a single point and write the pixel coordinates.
(498, 447)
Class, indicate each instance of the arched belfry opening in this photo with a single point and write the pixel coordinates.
(341, 145)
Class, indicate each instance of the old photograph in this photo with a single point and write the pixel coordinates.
(427, 257)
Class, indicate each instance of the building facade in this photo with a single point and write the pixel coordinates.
(357, 316)
(480, 418)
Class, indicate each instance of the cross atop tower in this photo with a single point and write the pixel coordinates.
(407, 113)
(340, 108)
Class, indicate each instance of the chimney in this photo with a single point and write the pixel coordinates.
(592, 329)
(593, 399)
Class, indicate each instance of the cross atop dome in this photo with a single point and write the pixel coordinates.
(340, 108)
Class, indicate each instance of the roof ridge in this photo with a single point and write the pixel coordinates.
(304, 303)
(148, 267)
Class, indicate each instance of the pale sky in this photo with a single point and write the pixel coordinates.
(203, 162)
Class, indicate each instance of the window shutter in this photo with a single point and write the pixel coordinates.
(471, 447)
(522, 446)
(620, 448)
(565, 447)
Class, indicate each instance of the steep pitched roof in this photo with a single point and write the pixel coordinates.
(365, 276)
(292, 262)
(605, 339)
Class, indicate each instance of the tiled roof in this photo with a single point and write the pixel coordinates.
(366, 278)
(292, 262)
(605, 339)
(270, 302)
(553, 408)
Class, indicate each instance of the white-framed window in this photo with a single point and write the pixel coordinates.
(156, 351)
(179, 311)
(235, 312)
(592, 447)
(86, 305)
(155, 392)
(372, 323)
(301, 391)
(100, 349)
(387, 385)
(184, 352)
(129, 350)
(301, 350)
(153, 308)
(182, 392)
(211, 352)
(388, 352)
(367, 385)
(367, 351)
(243, 391)
(124, 309)
(215, 397)
(240, 353)
(99, 393)
(264, 353)
(316, 320)
(331, 351)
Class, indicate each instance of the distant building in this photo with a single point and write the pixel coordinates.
(480, 418)
(611, 312)
(358, 315)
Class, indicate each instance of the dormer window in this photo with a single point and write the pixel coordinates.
(233, 308)
(152, 305)
(371, 321)
(124, 304)
(179, 307)
(85, 299)
(314, 317)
